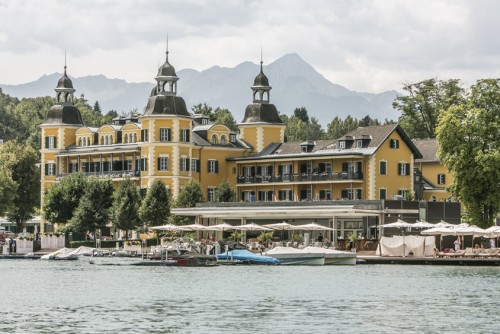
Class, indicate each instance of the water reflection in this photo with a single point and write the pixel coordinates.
(77, 297)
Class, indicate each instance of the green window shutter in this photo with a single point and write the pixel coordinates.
(216, 166)
(187, 136)
(158, 168)
(187, 165)
(400, 168)
(198, 165)
(408, 169)
(46, 143)
(168, 135)
(46, 169)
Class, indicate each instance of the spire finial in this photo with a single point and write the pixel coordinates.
(167, 49)
(261, 59)
(64, 61)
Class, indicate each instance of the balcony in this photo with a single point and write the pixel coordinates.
(116, 174)
(303, 177)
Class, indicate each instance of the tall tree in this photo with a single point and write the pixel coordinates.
(469, 146)
(205, 110)
(125, 209)
(301, 113)
(29, 114)
(189, 195)
(155, 207)
(8, 187)
(8, 123)
(423, 102)
(26, 175)
(97, 108)
(224, 193)
(224, 116)
(92, 212)
(61, 199)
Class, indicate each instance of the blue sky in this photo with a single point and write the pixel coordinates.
(363, 45)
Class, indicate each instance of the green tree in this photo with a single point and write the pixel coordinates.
(97, 108)
(205, 110)
(26, 175)
(93, 210)
(125, 209)
(469, 143)
(61, 199)
(8, 122)
(339, 127)
(155, 207)
(301, 113)
(224, 116)
(423, 102)
(29, 114)
(189, 195)
(224, 193)
(8, 187)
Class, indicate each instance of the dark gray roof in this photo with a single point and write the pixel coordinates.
(65, 81)
(261, 79)
(261, 113)
(64, 113)
(378, 135)
(166, 70)
(428, 148)
(166, 105)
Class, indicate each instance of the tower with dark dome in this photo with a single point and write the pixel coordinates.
(261, 125)
(166, 127)
(58, 133)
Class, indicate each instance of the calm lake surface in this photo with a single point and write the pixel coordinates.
(79, 297)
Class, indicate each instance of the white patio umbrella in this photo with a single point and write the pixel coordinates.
(422, 224)
(398, 224)
(313, 227)
(281, 226)
(472, 230)
(194, 227)
(494, 232)
(251, 227)
(167, 227)
(442, 223)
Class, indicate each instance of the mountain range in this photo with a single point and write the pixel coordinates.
(295, 84)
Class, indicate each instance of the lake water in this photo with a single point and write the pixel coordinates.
(79, 297)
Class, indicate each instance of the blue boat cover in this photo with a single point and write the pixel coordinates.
(246, 255)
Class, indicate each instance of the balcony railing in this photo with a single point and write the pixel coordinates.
(302, 177)
(116, 174)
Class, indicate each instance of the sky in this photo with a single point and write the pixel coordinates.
(366, 46)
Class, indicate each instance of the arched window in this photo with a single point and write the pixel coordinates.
(135, 137)
(80, 141)
(126, 139)
(214, 139)
(223, 140)
(102, 140)
(433, 198)
(110, 140)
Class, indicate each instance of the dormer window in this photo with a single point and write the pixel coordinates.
(223, 140)
(214, 139)
(304, 149)
(359, 143)
(232, 138)
(204, 121)
(394, 143)
(342, 144)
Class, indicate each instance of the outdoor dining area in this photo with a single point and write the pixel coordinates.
(253, 236)
(441, 240)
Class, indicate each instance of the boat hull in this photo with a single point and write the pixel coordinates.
(300, 261)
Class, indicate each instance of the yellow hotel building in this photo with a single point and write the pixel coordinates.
(168, 143)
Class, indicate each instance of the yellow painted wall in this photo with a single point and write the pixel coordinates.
(392, 181)
(249, 134)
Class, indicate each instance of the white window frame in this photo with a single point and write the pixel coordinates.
(380, 168)
(211, 166)
(52, 142)
(184, 134)
(163, 166)
(194, 164)
(359, 143)
(211, 194)
(164, 134)
(184, 164)
(342, 144)
(214, 139)
(441, 178)
(51, 169)
(223, 140)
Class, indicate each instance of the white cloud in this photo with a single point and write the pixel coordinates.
(363, 45)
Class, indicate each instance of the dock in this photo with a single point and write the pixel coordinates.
(459, 261)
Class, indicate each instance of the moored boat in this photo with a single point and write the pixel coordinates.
(294, 256)
(334, 256)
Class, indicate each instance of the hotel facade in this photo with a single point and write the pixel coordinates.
(168, 143)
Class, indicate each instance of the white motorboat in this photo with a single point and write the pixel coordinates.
(294, 256)
(333, 256)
